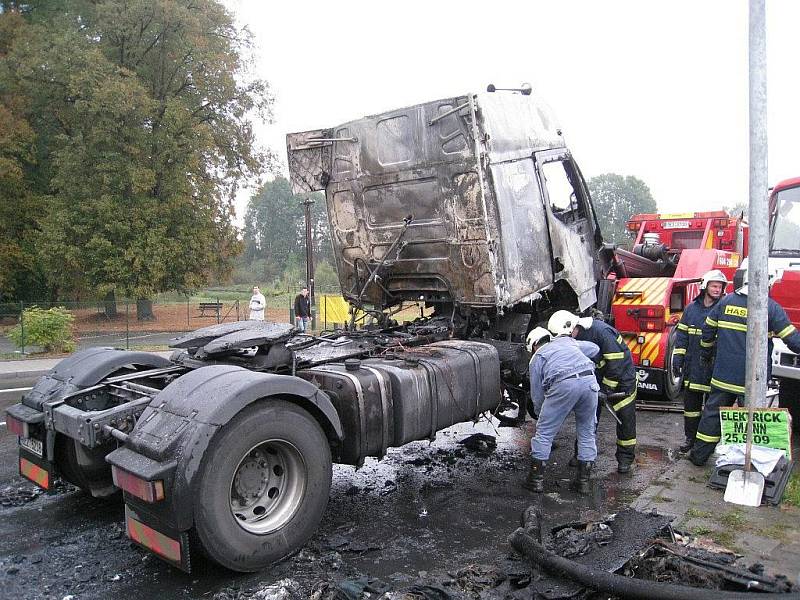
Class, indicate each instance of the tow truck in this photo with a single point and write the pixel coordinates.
(784, 270)
(649, 286)
(472, 205)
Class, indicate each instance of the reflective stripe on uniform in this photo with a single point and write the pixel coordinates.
(695, 331)
(601, 364)
(683, 327)
(711, 439)
(625, 401)
(614, 356)
(619, 339)
(679, 351)
(728, 387)
(691, 414)
(788, 330)
(610, 383)
(710, 321)
(706, 344)
(698, 387)
(732, 325)
(631, 442)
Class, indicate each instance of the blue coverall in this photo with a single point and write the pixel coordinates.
(686, 356)
(562, 381)
(725, 331)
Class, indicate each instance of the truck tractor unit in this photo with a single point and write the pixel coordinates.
(472, 205)
(784, 271)
(648, 287)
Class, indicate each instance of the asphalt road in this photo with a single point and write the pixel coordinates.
(423, 511)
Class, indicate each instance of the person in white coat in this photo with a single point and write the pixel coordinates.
(257, 305)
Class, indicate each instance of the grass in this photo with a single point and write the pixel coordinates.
(700, 531)
(733, 519)
(659, 498)
(792, 493)
(696, 513)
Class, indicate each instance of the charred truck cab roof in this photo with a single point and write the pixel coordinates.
(473, 200)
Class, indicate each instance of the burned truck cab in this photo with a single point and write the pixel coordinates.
(472, 204)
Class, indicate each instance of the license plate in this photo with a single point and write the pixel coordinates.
(32, 445)
(675, 224)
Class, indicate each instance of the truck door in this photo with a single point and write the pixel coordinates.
(570, 222)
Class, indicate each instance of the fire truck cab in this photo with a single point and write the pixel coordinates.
(659, 276)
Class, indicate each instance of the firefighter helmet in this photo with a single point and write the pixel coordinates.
(715, 275)
(536, 335)
(562, 322)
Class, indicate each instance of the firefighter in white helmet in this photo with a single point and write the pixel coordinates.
(686, 356)
(562, 381)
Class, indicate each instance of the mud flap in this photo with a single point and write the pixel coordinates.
(168, 544)
(36, 469)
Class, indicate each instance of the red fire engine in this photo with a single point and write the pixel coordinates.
(660, 276)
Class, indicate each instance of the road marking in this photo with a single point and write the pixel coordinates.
(2, 422)
(15, 390)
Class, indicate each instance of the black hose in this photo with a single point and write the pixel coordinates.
(624, 587)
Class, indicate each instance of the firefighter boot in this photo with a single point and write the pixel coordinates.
(535, 479)
(686, 446)
(582, 483)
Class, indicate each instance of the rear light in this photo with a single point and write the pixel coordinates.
(16, 426)
(633, 226)
(149, 491)
(720, 222)
(651, 324)
(646, 362)
(651, 312)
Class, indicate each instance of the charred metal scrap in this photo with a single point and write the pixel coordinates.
(598, 554)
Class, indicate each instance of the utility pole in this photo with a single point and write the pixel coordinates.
(307, 203)
(757, 267)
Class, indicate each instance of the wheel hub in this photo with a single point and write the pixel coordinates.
(268, 486)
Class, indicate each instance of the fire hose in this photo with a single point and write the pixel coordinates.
(624, 587)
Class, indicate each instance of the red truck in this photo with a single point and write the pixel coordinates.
(650, 285)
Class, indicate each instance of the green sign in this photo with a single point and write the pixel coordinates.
(772, 427)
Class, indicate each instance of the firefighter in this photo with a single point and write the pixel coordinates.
(725, 331)
(562, 381)
(686, 358)
(615, 373)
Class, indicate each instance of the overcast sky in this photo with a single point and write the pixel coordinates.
(652, 89)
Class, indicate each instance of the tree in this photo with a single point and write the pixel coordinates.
(616, 198)
(274, 228)
(143, 111)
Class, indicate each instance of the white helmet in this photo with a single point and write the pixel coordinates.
(536, 335)
(562, 322)
(715, 275)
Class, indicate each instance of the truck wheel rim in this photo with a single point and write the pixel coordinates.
(268, 486)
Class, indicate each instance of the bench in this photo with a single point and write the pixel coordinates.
(214, 307)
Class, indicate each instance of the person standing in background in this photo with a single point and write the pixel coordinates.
(302, 310)
(257, 305)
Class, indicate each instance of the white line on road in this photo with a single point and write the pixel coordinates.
(2, 422)
(15, 390)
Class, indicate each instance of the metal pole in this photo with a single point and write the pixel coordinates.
(127, 325)
(309, 250)
(22, 324)
(309, 257)
(758, 275)
(188, 326)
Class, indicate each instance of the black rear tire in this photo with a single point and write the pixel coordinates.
(673, 386)
(789, 397)
(263, 486)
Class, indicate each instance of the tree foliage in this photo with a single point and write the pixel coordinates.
(142, 114)
(274, 230)
(616, 198)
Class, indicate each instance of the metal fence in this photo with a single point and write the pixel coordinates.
(121, 324)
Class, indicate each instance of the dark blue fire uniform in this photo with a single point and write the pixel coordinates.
(725, 331)
(686, 356)
(616, 373)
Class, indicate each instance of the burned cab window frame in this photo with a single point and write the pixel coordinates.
(576, 209)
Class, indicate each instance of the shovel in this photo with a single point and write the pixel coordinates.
(746, 486)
